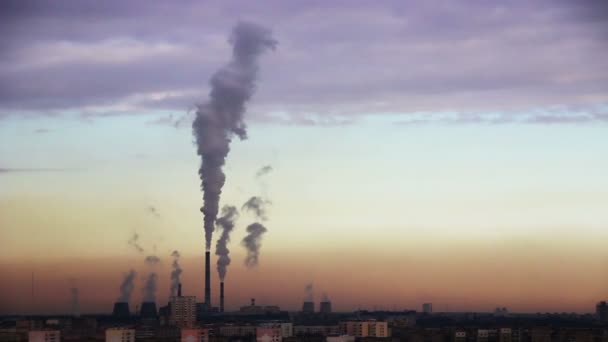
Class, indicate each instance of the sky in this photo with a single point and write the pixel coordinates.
(421, 151)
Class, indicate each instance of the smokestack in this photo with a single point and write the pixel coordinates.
(208, 279)
(179, 289)
(222, 296)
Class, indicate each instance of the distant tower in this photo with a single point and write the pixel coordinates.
(308, 307)
(325, 307)
(427, 308)
(601, 311)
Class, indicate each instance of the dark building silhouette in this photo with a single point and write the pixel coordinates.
(121, 310)
(601, 311)
(148, 310)
(325, 307)
(308, 307)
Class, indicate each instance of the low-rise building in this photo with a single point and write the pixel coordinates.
(120, 335)
(44, 336)
(195, 335)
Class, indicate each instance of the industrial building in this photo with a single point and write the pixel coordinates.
(427, 308)
(120, 335)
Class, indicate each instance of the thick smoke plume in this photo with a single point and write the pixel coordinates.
(126, 287)
(257, 205)
(226, 224)
(133, 242)
(150, 288)
(325, 298)
(309, 293)
(218, 120)
(253, 242)
(175, 273)
(266, 169)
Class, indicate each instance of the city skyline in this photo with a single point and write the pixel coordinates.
(412, 154)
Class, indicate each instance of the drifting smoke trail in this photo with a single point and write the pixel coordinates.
(258, 206)
(309, 293)
(150, 288)
(175, 273)
(151, 260)
(126, 288)
(153, 211)
(226, 223)
(221, 117)
(266, 169)
(325, 298)
(133, 242)
(253, 242)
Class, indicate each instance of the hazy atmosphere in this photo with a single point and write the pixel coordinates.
(391, 153)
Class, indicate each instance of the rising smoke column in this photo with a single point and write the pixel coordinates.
(253, 242)
(126, 287)
(309, 293)
(226, 224)
(175, 273)
(218, 120)
(149, 288)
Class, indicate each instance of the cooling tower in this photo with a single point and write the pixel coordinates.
(121, 310)
(325, 307)
(208, 279)
(148, 310)
(222, 296)
(308, 307)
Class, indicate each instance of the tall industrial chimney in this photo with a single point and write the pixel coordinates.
(222, 296)
(208, 280)
(179, 289)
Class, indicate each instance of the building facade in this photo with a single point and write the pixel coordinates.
(195, 335)
(183, 311)
(120, 335)
(370, 328)
(44, 336)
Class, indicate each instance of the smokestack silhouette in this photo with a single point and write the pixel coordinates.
(179, 290)
(208, 279)
(226, 224)
(175, 273)
(126, 287)
(253, 242)
(309, 303)
(218, 120)
(222, 296)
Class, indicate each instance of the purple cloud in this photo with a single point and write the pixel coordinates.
(338, 61)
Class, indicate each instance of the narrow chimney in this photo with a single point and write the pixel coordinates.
(252, 301)
(208, 279)
(179, 289)
(222, 296)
